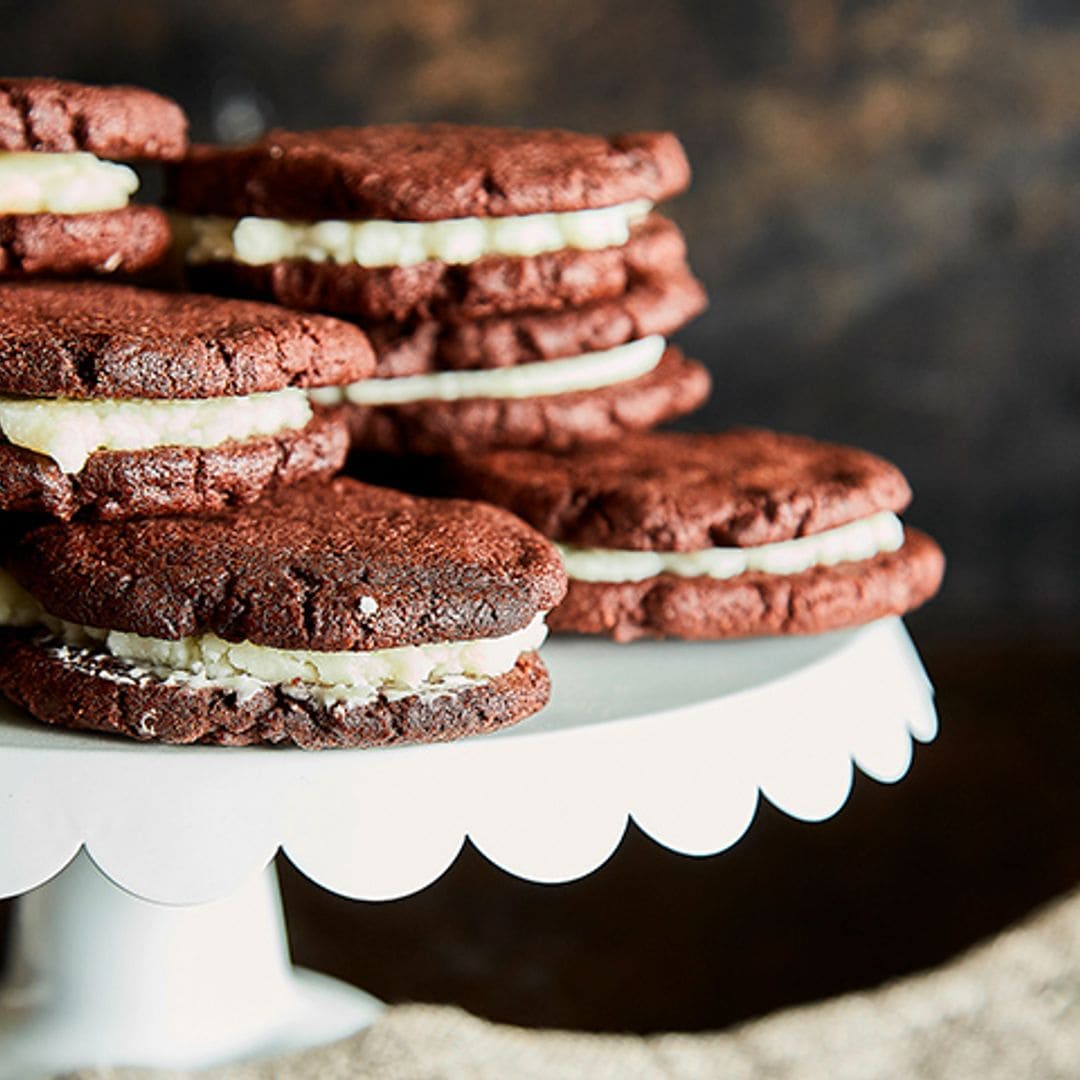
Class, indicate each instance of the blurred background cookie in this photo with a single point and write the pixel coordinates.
(63, 196)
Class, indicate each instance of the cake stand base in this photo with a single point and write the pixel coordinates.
(100, 977)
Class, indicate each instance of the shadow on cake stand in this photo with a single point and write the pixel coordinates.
(151, 931)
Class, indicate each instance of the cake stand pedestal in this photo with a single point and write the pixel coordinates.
(151, 933)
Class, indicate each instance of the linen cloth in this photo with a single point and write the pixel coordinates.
(1008, 1008)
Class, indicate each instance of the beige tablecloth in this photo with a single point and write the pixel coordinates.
(1008, 1009)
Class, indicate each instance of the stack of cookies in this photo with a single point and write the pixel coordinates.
(179, 562)
(487, 307)
(517, 286)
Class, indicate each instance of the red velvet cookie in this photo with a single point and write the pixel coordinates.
(116, 241)
(434, 289)
(123, 401)
(653, 305)
(332, 614)
(431, 221)
(712, 536)
(674, 387)
(117, 484)
(63, 204)
(119, 123)
(427, 172)
(462, 250)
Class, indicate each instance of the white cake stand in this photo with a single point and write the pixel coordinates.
(160, 942)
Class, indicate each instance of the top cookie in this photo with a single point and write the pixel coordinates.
(119, 122)
(673, 492)
(428, 172)
(92, 340)
(337, 566)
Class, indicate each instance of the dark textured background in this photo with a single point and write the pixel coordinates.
(885, 208)
(887, 216)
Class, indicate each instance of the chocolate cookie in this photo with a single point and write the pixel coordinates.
(63, 204)
(115, 122)
(667, 491)
(754, 604)
(433, 289)
(94, 340)
(116, 241)
(120, 401)
(329, 614)
(172, 479)
(711, 536)
(427, 172)
(85, 691)
(436, 570)
(674, 387)
(659, 305)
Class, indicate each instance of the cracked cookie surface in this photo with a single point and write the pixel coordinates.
(667, 491)
(427, 172)
(682, 493)
(116, 122)
(291, 571)
(96, 340)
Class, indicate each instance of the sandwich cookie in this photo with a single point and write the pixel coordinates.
(331, 614)
(655, 305)
(121, 401)
(737, 534)
(63, 197)
(550, 379)
(555, 405)
(433, 221)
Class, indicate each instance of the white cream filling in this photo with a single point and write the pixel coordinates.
(589, 371)
(853, 542)
(207, 660)
(258, 240)
(69, 431)
(75, 183)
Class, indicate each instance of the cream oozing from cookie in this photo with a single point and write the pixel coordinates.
(32, 182)
(256, 241)
(206, 660)
(69, 430)
(853, 542)
(589, 371)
